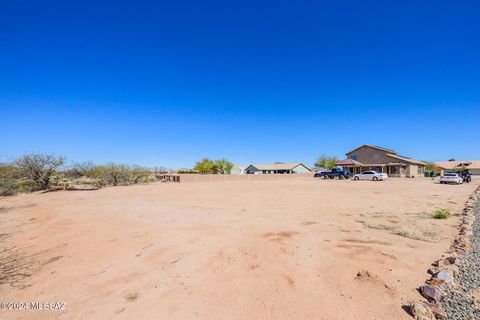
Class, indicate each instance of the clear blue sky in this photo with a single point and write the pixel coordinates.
(168, 82)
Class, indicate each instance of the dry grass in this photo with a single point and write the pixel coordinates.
(415, 232)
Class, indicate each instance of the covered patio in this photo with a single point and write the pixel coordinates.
(393, 169)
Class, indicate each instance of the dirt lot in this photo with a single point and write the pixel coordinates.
(300, 249)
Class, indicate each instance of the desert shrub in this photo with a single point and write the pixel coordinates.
(186, 171)
(79, 169)
(61, 181)
(119, 174)
(28, 185)
(414, 232)
(9, 171)
(147, 179)
(38, 168)
(442, 213)
(8, 187)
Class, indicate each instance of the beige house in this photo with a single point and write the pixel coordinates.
(473, 166)
(369, 157)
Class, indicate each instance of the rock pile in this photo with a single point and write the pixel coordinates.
(456, 275)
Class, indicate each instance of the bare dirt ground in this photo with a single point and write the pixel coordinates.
(300, 249)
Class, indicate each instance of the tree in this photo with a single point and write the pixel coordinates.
(222, 166)
(326, 161)
(430, 166)
(39, 168)
(204, 166)
(82, 169)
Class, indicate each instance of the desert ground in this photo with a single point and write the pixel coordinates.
(296, 249)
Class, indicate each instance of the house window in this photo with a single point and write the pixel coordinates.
(354, 157)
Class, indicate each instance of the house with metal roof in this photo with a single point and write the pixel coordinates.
(278, 168)
(370, 157)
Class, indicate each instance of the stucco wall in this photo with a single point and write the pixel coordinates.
(412, 171)
(241, 177)
(370, 155)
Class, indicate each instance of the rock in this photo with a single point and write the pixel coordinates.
(452, 269)
(421, 311)
(432, 293)
(433, 271)
(363, 274)
(452, 260)
(442, 278)
(441, 263)
(437, 311)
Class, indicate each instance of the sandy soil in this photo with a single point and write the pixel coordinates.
(224, 250)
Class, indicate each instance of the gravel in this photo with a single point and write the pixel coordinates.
(459, 303)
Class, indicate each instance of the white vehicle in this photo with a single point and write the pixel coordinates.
(370, 175)
(451, 178)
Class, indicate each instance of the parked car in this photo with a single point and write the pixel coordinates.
(370, 175)
(451, 178)
(335, 172)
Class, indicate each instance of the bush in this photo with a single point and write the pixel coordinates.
(414, 232)
(39, 168)
(9, 171)
(61, 181)
(8, 187)
(28, 185)
(442, 214)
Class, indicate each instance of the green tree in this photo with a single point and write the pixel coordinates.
(326, 161)
(430, 166)
(222, 166)
(204, 166)
(39, 168)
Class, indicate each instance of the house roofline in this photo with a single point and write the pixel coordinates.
(372, 146)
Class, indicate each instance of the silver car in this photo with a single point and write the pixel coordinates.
(371, 175)
(451, 178)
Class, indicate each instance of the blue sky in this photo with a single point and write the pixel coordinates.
(167, 83)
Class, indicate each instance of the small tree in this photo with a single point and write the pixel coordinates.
(222, 166)
(326, 161)
(39, 168)
(204, 166)
(81, 169)
(430, 166)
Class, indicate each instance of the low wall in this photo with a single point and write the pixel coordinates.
(241, 177)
